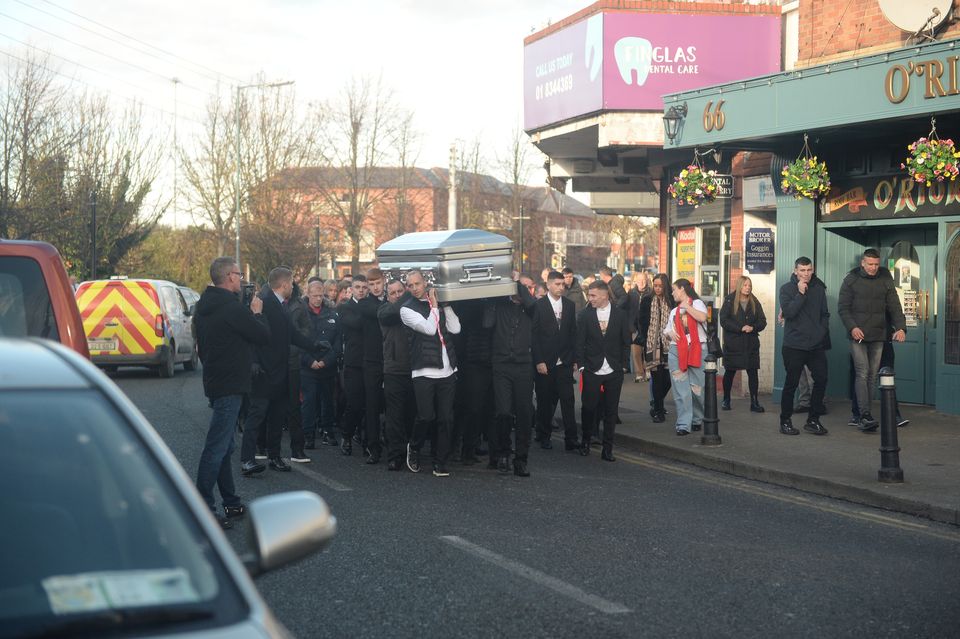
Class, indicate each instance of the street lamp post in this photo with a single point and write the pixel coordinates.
(521, 218)
(236, 186)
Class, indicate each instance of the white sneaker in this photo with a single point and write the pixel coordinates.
(300, 458)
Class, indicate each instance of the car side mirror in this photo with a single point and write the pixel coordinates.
(285, 528)
(191, 310)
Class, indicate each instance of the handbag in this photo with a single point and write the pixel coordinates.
(713, 342)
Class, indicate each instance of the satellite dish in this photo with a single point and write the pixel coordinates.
(914, 15)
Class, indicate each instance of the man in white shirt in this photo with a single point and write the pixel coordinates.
(602, 349)
(433, 363)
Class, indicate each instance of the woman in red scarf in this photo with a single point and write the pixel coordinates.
(687, 334)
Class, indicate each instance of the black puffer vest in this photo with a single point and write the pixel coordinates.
(425, 350)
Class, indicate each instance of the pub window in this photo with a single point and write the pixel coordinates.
(951, 350)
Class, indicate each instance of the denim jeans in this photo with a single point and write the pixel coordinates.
(687, 391)
(317, 393)
(215, 467)
(866, 363)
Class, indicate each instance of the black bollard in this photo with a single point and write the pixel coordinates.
(711, 436)
(890, 471)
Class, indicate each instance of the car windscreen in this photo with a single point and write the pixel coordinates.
(25, 307)
(93, 530)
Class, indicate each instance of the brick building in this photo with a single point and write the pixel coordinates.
(383, 202)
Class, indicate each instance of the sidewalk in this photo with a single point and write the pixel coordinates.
(841, 465)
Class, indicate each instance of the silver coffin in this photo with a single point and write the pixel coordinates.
(461, 265)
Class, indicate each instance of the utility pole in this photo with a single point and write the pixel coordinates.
(176, 151)
(236, 148)
(452, 202)
(93, 231)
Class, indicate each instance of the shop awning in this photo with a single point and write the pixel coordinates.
(847, 98)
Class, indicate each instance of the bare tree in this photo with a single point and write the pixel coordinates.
(360, 127)
(209, 173)
(407, 142)
(625, 230)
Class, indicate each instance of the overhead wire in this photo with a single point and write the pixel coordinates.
(147, 44)
(106, 55)
(134, 100)
(89, 68)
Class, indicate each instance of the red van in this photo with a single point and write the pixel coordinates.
(36, 298)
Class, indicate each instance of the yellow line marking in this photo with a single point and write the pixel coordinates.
(790, 499)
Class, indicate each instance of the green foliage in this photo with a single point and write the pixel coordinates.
(178, 255)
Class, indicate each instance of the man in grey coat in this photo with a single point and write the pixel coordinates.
(867, 299)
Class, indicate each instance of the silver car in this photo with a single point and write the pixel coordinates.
(104, 534)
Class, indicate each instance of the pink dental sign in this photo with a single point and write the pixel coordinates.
(642, 56)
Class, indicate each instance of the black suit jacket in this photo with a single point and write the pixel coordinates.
(272, 357)
(551, 341)
(593, 346)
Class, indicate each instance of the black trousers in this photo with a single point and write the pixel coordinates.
(294, 418)
(353, 392)
(793, 361)
(400, 412)
(434, 399)
(513, 405)
(478, 391)
(373, 404)
(753, 382)
(592, 400)
(265, 419)
(555, 386)
(660, 378)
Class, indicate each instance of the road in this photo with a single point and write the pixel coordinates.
(584, 548)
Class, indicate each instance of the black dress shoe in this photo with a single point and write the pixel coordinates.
(584, 449)
(607, 455)
(546, 444)
(659, 418)
(394, 464)
(232, 512)
(372, 460)
(520, 468)
(346, 447)
(567, 446)
(277, 463)
(251, 467)
(503, 464)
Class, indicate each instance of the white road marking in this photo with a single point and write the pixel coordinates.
(323, 479)
(536, 576)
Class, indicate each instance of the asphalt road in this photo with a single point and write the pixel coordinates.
(584, 548)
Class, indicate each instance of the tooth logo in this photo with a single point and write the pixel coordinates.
(633, 55)
(593, 50)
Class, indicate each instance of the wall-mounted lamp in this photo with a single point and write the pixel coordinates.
(672, 118)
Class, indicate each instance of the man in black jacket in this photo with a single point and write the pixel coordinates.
(806, 339)
(372, 363)
(400, 411)
(476, 372)
(318, 376)
(351, 325)
(554, 338)
(433, 364)
(868, 298)
(226, 332)
(510, 318)
(603, 346)
(268, 397)
(614, 282)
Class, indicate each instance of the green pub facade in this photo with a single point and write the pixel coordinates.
(859, 115)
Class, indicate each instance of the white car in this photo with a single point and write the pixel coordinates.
(103, 532)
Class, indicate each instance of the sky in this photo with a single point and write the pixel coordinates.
(456, 65)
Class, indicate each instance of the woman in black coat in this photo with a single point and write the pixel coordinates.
(742, 320)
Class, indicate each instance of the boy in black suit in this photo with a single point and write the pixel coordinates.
(603, 346)
(553, 339)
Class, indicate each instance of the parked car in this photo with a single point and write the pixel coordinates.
(137, 322)
(190, 296)
(36, 298)
(103, 532)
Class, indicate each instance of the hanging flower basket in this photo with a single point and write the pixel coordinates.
(932, 159)
(806, 176)
(694, 185)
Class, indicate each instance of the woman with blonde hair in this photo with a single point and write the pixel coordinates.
(742, 319)
(640, 288)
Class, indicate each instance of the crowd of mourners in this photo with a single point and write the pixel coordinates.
(380, 367)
